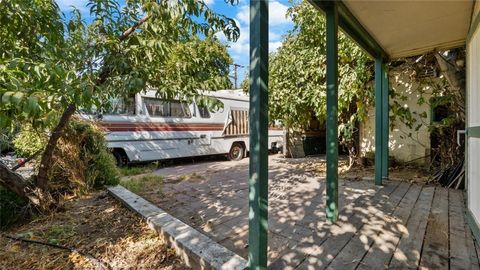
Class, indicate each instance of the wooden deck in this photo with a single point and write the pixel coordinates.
(402, 226)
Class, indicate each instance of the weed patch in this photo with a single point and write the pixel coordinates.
(150, 183)
(138, 169)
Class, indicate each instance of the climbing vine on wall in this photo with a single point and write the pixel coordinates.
(443, 93)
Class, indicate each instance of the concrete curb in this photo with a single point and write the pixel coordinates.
(196, 249)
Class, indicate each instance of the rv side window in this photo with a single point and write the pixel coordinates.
(156, 107)
(203, 111)
(121, 106)
(179, 109)
(161, 108)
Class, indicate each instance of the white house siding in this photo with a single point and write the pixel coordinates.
(473, 120)
(401, 146)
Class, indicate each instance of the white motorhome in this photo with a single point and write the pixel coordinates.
(146, 128)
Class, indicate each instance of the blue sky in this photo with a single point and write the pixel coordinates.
(279, 24)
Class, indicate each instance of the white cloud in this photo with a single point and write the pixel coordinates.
(66, 5)
(277, 13)
(243, 14)
(209, 2)
(240, 50)
(277, 19)
(272, 35)
(273, 46)
(241, 47)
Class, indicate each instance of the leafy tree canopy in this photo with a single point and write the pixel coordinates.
(298, 69)
(49, 61)
(52, 64)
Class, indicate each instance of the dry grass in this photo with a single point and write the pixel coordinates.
(96, 225)
(188, 177)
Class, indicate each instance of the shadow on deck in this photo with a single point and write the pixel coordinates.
(399, 225)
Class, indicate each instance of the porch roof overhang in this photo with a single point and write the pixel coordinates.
(395, 29)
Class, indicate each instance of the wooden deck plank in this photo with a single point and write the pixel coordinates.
(386, 241)
(342, 232)
(435, 248)
(345, 190)
(476, 247)
(310, 243)
(354, 251)
(459, 252)
(474, 261)
(312, 249)
(300, 230)
(471, 244)
(407, 253)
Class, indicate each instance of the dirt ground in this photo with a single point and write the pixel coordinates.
(412, 173)
(315, 164)
(103, 234)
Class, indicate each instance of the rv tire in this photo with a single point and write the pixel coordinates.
(237, 152)
(120, 158)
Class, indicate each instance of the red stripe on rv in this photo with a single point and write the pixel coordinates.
(160, 127)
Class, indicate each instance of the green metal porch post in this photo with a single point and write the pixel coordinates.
(331, 13)
(258, 174)
(385, 122)
(378, 120)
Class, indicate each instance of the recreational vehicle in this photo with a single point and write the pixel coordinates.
(147, 128)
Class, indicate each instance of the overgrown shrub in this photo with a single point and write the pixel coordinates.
(82, 161)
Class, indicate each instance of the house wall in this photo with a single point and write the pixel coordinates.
(473, 123)
(401, 146)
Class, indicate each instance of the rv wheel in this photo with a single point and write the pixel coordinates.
(236, 152)
(120, 159)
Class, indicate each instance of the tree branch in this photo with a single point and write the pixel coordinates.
(14, 182)
(134, 27)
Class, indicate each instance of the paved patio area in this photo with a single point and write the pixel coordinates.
(400, 225)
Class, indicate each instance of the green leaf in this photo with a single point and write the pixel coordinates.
(31, 106)
(17, 98)
(6, 97)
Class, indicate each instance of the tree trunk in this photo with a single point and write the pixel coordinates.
(286, 138)
(14, 182)
(57, 132)
(352, 154)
